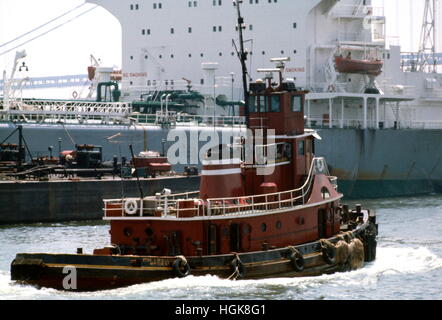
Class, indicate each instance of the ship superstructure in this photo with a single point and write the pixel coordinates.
(184, 48)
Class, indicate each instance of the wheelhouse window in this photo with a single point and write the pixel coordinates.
(296, 103)
(301, 148)
(275, 105)
(262, 104)
(273, 153)
(252, 104)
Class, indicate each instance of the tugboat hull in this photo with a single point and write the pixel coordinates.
(81, 272)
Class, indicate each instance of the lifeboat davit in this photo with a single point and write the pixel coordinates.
(348, 65)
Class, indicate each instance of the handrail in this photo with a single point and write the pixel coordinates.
(167, 205)
(318, 165)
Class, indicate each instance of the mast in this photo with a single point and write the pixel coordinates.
(242, 55)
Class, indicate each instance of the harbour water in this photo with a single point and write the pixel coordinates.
(408, 264)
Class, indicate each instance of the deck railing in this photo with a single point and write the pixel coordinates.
(188, 205)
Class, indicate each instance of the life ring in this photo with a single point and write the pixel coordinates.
(130, 207)
(238, 267)
(75, 94)
(181, 267)
(296, 258)
(328, 251)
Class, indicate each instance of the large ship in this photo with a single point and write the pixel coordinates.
(375, 108)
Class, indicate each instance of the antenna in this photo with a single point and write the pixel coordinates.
(427, 47)
(242, 57)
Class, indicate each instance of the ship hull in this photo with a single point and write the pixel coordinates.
(383, 163)
(83, 272)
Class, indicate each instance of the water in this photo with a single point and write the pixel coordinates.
(408, 264)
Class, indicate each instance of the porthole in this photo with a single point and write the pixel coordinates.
(149, 232)
(263, 227)
(127, 232)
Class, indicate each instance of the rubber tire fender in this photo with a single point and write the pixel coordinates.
(179, 263)
(329, 254)
(237, 264)
(297, 259)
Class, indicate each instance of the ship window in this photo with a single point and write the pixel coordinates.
(262, 104)
(143, 32)
(136, 7)
(263, 53)
(275, 103)
(220, 54)
(149, 232)
(159, 5)
(190, 55)
(282, 51)
(325, 193)
(202, 55)
(131, 57)
(202, 81)
(127, 232)
(295, 25)
(214, 28)
(263, 227)
(252, 104)
(172, 31)
(146, 56)
(251, 27)
(296, 104)
(220, 28)
(154, 5)
(171, 56)
(190, 4)
(278, 224)
(148, 31)
(195, 3)
(189, 30)
(301, 148)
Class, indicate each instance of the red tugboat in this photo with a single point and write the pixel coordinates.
(277, 214)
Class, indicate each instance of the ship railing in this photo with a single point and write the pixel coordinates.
(189, 205)
(270, 201)
(371, 124)
(72, 107)
(361, 11)
(191, 120)
(366, 37)
(180, 204)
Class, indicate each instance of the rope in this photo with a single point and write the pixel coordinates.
(41, 26)
(50, 30)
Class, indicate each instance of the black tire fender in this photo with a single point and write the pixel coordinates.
(181, 267)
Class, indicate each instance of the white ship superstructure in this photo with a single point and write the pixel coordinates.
(165, 43)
